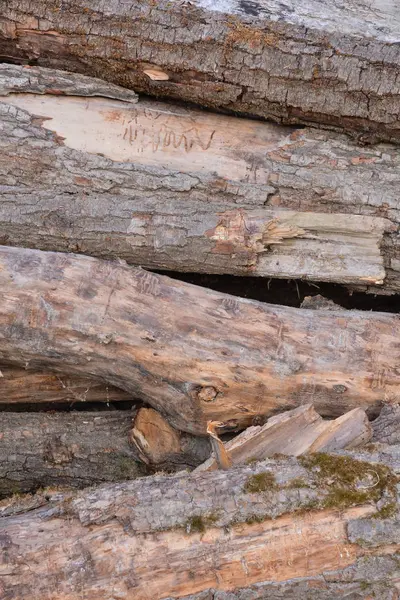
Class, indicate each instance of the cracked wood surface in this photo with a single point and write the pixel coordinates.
(181, 189)
(192, 353)
(71, 449)
(327, 63)
(22, 386)
(296, 432)
(141, 539)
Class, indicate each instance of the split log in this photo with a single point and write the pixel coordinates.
(293, 432)
(325, 524)
(159, 444)
(21, 386)
(184, 190)
(322, 63)
(296, 432)
(191, 353)
(74, 449)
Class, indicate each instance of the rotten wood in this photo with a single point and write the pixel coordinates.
(295, 432)
(22, 386)
(320, 63)
(211, 535)
(70, 449)
(193, 354)
(180, 189)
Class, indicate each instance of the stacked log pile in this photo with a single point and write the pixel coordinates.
(161, 440)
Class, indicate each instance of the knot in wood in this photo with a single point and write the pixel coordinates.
(207, 393)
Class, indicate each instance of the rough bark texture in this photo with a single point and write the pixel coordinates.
(211, 535)
(185, 190)
(320, 62)
(192, 353)
(21, 386)
(74, 449)
(386, 427)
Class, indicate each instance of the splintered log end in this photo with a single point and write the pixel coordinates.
(294, 432)
(156, 74)
(160, 445)
(153, 437)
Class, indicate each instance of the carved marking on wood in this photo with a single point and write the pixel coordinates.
(169, 133)
(147, 283)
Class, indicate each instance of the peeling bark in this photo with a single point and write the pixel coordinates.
(179, 189)
(203, 536)
(21, 386)
(74, 449)
(321, 63)
(192, 353)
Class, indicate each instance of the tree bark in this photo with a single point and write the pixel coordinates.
(184, 190)
(21, 386)
(192, 353)
(74, 449)
(253, 531)
(386, 428)
(319, 63)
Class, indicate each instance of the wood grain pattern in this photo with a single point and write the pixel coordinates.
(194, 354)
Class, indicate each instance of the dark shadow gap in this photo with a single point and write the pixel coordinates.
(288, 292)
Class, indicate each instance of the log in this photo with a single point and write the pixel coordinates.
(325, 524)
(191, 353)
(21, 386)
(184, 190)
(320, 63)
(159, 444)
(296, 432)
(67, 449)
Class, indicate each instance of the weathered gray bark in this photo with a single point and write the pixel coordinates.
(74, 449)
(185, 190)
(305, 526)
(386, 428)
(319, 62)
(192, 353)
(22, 386)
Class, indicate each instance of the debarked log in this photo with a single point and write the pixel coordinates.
(321, 63)
(323, 526)
(23, 386)
(180, 189)
(67, 449)
(192, 353)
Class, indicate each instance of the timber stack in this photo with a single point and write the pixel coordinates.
(199, 300)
